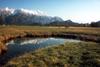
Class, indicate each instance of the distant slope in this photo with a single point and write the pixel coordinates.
(24, 16)
(64, 23)
(95, 24)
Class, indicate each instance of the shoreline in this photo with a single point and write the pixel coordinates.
(83, 37)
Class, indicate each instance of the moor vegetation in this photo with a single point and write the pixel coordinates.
(81, 54)
(12, 31)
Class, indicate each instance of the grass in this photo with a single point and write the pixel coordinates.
(20, 29)
(82, 54)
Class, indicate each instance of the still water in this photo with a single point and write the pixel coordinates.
(20, 46)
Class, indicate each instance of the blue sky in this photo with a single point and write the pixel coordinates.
(82, 11)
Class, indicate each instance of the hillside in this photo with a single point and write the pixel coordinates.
(24, 16)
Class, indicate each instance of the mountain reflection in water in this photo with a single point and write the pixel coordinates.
(20, 46)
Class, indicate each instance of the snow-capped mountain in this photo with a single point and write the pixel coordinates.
(24, 11)
(24, 16)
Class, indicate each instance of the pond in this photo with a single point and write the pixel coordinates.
(20, 46)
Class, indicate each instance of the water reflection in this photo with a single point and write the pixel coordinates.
(23, 45)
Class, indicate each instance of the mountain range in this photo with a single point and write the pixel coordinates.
(9, 16)
(24, 16)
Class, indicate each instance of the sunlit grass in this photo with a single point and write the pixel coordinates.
(82, 54)
(19, 29)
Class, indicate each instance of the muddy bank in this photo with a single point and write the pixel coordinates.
(83, 37)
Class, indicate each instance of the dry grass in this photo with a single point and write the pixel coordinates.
(68, 55)
(7, 32)
(14, 30)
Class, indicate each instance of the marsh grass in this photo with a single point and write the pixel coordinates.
(19, 29)
(82, 54)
